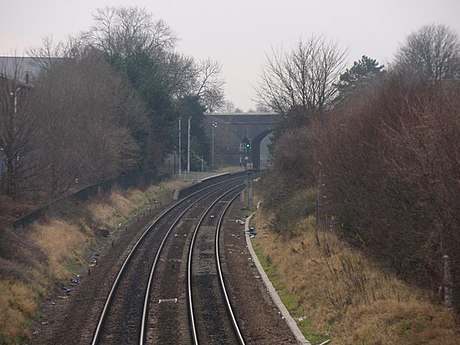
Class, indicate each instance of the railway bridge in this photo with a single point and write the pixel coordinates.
(238, 138)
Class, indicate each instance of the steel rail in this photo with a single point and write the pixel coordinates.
(109, 299)
(221, 276)
(154, 265)
(189, 267)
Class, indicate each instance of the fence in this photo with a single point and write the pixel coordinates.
(139, 180)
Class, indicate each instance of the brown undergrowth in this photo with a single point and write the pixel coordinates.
(36, 262)
(336, 293)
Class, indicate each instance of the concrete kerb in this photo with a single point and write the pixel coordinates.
(273, 294)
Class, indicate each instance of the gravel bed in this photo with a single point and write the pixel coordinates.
(259, 318)
(71, 319)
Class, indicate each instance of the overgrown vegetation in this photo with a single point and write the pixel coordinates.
(37, 261)
(389, 171)
(383, 159)
(105, 103)
(334, 292)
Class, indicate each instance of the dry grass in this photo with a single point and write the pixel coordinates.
(121, 206)
(231, 169)
(342, 295)
(393, 322)
(62, 243)
(117, 208)
(111, 211)
(17, 304)
(171, 185)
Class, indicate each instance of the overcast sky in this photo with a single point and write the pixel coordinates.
(239, 33)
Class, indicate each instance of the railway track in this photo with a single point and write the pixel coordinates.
(211, 312)
(147, 303)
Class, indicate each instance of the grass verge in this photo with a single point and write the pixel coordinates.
(63, 245)
(334, 292)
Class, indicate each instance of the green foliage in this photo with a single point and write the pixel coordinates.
(110, 106)
(155, 77)
(144, 74)
(361, 72)
(291, 301)
(197, 163)
(190, 106)
(170, 84)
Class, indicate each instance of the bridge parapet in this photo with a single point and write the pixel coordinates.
(230, 130)
(245, 118)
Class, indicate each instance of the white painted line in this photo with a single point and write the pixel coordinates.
(173, 300)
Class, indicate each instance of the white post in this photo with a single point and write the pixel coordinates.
(214, 125)
(179, 149)
(249, 190)
(15, 103)
(188, 144)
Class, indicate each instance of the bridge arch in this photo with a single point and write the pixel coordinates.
(231, 130)
(255, 153)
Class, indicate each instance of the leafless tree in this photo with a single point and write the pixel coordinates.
(86, 116)
(16, 125)
(302, 78)
(124, 30)
(74, 47)
(184, 76)
(433, 51)
(177, 74)
(43, 55)
(390, 162)
(226, 107)
(209, 84)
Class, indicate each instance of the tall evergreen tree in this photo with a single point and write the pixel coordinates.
(362, 71)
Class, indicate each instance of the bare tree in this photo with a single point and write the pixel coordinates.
(16, 125)
(43, 55)
(209, 84)
(433, 51)
(184, 77)
(72, 48)
(124, 30)
(87, 117)
(302, 78)
(226, 107)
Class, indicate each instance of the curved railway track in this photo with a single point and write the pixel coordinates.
(147, 302)
(211, 312)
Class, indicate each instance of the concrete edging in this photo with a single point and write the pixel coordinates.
(273, 294)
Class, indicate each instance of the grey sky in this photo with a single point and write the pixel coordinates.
(239, 33)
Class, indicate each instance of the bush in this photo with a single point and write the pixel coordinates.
(390, 165)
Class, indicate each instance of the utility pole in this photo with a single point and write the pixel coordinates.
(188, 144)
(213, 127)
(179, 150)
(318, 212)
